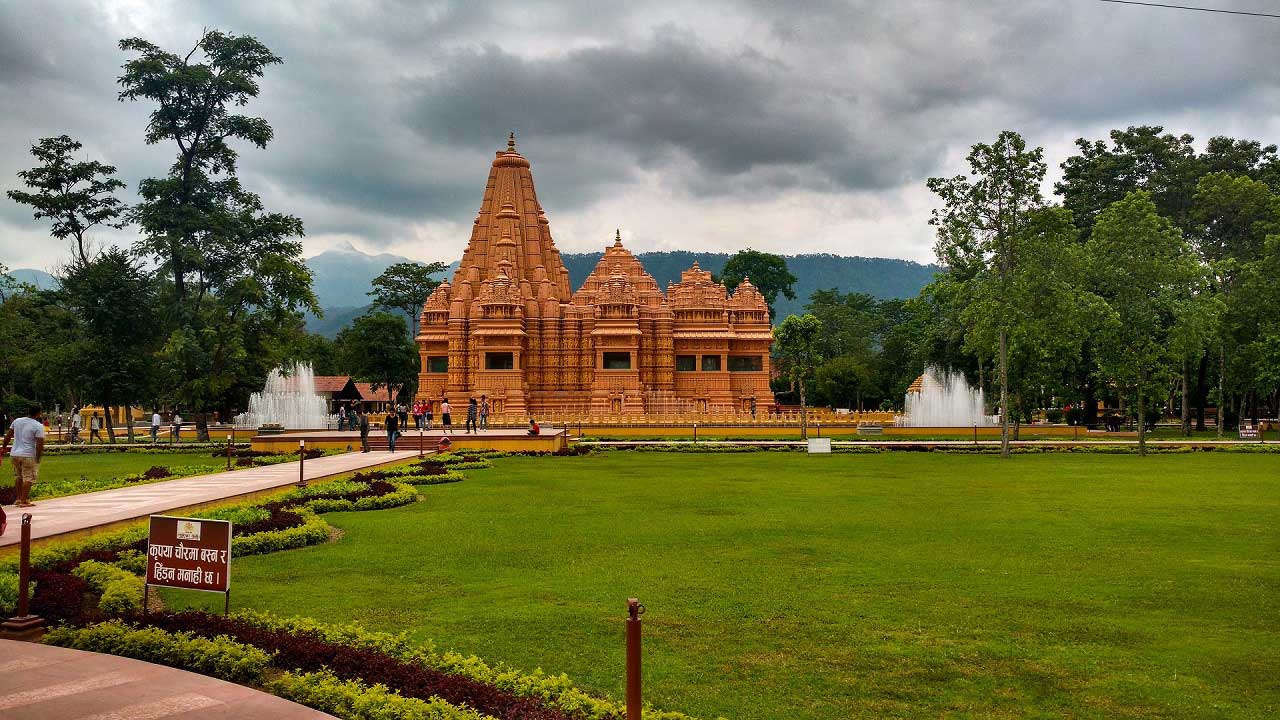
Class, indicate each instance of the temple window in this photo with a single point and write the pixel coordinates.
(745, 363)
(710, 363)
(686, 363)
(438, 364)
(616, 361)
(499, 361)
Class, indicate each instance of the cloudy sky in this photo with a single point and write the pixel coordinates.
(791, 127)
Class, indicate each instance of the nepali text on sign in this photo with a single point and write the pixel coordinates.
(189, 553)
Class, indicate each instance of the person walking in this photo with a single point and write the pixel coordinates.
(484, 412)
(393, 428)
(27, 434)
(472, 412)
(446, 415)
(77, 423)
(156, 421)
(427, 406)
(362, 422)
(95, 425)
(175, 433)
(402, 412)
(342, 419)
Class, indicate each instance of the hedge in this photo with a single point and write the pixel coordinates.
(556, 690)
(121, 590)
(218, 657)
(312, 531)
(353, 700)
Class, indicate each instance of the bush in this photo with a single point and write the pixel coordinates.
(58, 597)
(353, 700)
(312, 531)
(1053, 415)
(437, 479)
(557, 690)
(121, 590)
(399, 494)
(9, 593)
(218, 657)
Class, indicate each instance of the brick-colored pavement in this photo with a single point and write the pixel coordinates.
(40, 682)
(79, 513)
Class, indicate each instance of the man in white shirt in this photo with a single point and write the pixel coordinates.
(27, 434)
(76, 421)
(155, 425)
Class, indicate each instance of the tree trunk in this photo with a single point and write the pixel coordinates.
(1004, 394)
(202, 427)
(1186, 396)
(1142, 412)
(111, 423)
(1222, 381)
(1202, 390)
(804, 414)
(128, 421)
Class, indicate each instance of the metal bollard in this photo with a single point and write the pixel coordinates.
(634, 611)
(229, 437)
(302, 461)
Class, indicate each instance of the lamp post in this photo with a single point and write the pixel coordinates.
(229, 439)
(302, 461)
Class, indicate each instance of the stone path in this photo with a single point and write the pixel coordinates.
(41, 682)
(77, 513)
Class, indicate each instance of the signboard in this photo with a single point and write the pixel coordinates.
(819, 445)
(1248, 432)
(189, 553)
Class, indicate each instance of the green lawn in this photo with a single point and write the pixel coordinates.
(787, 586)
(70, 473)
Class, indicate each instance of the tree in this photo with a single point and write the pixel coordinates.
(235, 271)
(976, 229)
(375, 348)
(767, 272)
(1145, 270)
(1235, 215)
(844, 381)
(316, 350)
(75, 195)
(798, 344)
(1042, 304)
(405, 287)
(114, 299)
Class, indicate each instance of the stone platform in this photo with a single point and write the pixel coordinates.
(507, 439)
(41, 682)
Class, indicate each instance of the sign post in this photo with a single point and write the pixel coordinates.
(24, 625)
(189, 553)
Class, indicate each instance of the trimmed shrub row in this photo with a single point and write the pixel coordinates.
(121, 590)
(353, 700)
(217, 657)
(310, 652)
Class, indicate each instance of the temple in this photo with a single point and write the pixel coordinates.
(508, 325)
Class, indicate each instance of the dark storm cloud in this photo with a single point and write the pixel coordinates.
(387, 113)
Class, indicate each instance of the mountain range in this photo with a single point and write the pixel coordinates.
(341, 277)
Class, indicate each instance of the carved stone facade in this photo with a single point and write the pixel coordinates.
(509, 327)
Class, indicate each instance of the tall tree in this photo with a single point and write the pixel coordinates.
(767, 272)
(1145, 270)
(1042, 304)
(75, 195)
(375, 348)
(405, 287)
(114, 299)
(798, 344)
(236, 276)
(976, 227)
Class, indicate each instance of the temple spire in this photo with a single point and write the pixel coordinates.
(511, 142)
(617, 238)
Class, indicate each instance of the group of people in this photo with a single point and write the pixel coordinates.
(396, 419)
(76, 425)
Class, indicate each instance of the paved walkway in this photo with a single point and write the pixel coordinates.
(76, 513)
(41, 682)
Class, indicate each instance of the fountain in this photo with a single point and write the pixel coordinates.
(289, 400)
(943, 398)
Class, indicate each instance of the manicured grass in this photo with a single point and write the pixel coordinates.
(786, 586)
(70, 473)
